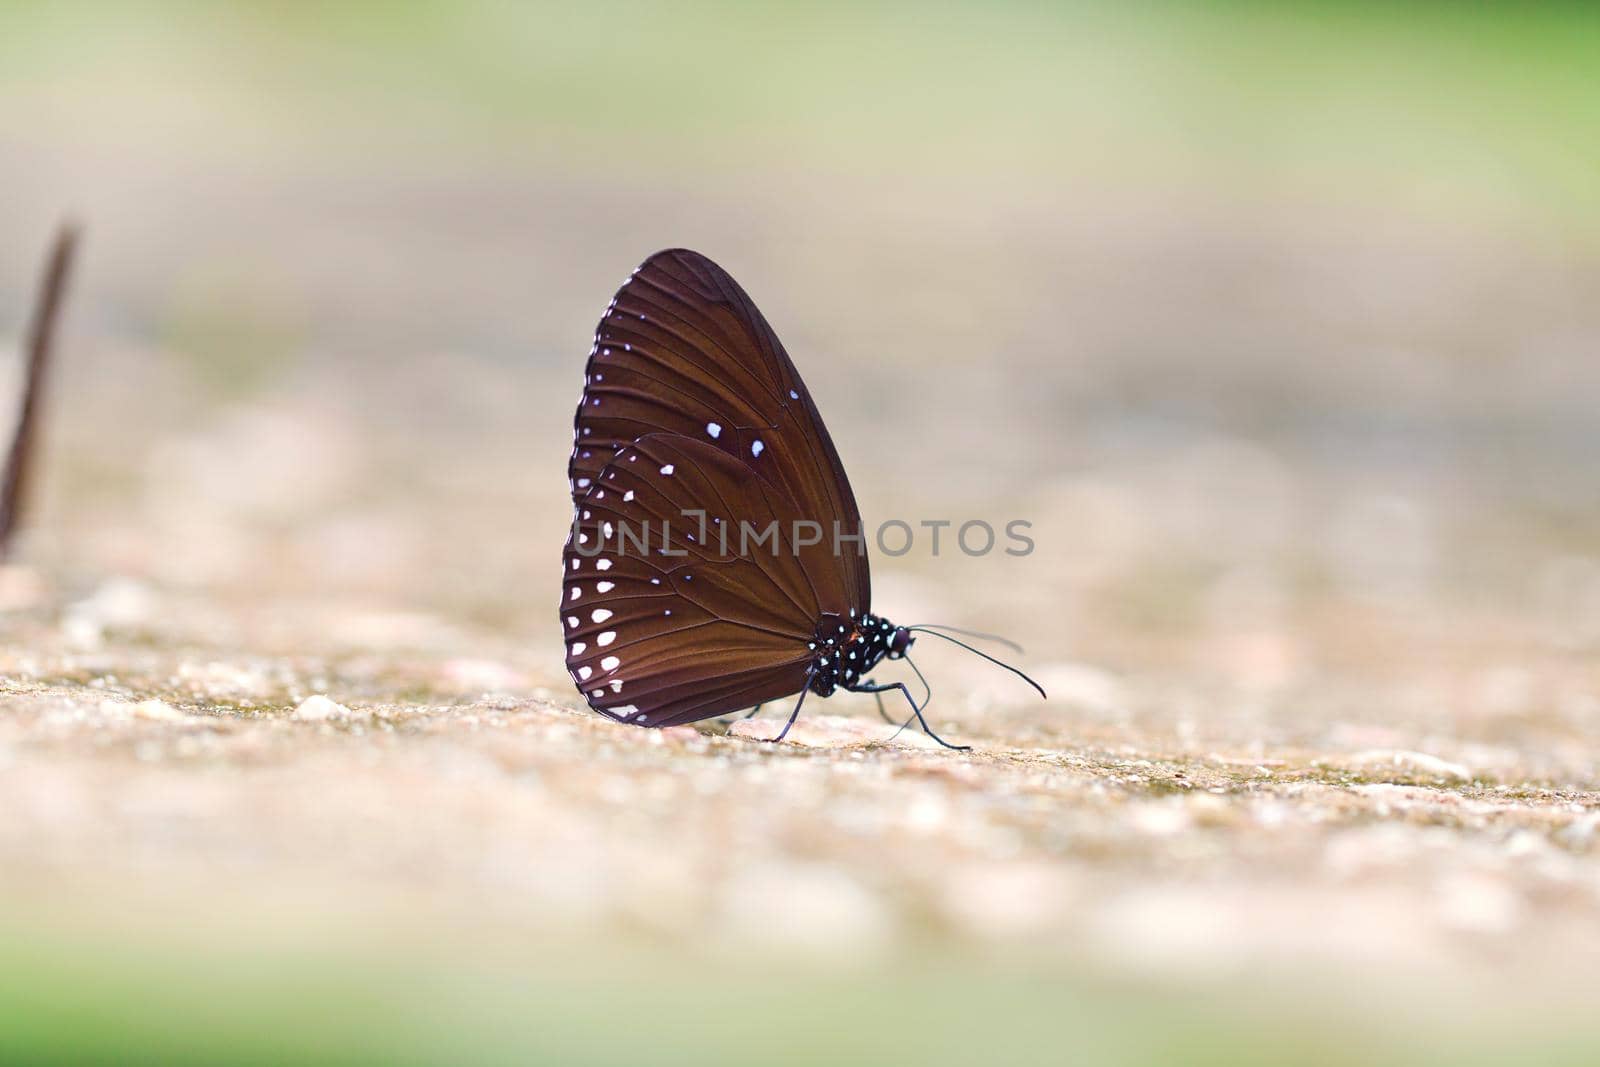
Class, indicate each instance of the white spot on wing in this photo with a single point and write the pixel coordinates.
(577, 648)
(584, 672)
(602, 565)
(713, 429)
(756, 447)
(599, 615)
(668, 469)
(606, 638)
(604, 587)
(609, 663)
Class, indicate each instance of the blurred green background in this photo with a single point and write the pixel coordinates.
(1278, 321)
(1354, 239)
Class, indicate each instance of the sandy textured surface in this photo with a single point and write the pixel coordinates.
(1089, 831)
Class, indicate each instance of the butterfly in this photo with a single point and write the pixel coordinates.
(696, 435)
(40, 347)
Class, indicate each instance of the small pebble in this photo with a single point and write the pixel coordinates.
(149, 710)
(319, 708)
(1419, 764)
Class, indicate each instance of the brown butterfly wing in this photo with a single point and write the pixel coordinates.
(682, 349)
(671, 619)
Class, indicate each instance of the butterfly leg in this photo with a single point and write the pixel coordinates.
(793, 715)
(878, 696)
(915, 710)
(728, 721)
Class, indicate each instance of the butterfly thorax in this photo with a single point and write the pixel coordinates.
(847, 649)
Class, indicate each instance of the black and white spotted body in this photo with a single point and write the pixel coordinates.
(847, 650)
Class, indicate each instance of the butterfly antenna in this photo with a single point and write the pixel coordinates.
(976, 652)
(996, 638)
(41, 337)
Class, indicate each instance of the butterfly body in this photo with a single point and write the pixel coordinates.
(848, 649)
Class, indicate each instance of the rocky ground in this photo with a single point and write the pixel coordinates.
(453, 808)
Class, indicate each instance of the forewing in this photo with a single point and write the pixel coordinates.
(683, 350)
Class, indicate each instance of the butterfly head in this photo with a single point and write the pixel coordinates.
(881, 639)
